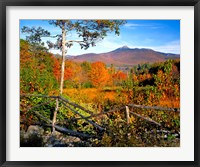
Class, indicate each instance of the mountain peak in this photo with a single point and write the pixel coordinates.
(125, 56)
(124, 47)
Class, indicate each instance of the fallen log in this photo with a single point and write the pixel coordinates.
(97, 115)
(145, 118)
(37, 95)
(75, 105)
(91, 122)
(154, 107)
(73, 133)
(62, 129)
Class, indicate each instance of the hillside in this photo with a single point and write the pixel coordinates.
(126, 56)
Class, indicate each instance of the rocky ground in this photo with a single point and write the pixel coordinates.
(36, 136)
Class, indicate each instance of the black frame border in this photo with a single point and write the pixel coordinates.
(5, 3)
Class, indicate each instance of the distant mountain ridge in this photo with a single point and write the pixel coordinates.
(126, 56)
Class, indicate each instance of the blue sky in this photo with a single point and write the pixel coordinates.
(159, 35)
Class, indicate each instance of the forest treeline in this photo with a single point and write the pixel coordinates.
(40, 73)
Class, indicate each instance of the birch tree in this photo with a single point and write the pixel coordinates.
(89, 33)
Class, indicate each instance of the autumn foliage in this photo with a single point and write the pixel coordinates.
(156, 84)
(99, 74)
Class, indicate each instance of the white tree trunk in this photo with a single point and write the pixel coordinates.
(63, 58)
(54, 116)
(127, 115)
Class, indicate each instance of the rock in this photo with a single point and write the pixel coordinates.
(36, 136)
(35, 130)
(69, 139)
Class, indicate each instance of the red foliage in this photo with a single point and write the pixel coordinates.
(68, 73)
(56, 69)
(120, 76)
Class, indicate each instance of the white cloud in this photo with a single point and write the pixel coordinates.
(170, 47)
(134, 26)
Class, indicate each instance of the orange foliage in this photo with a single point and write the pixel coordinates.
(99, 74)
(120, 76)
(143, 77)
(68, 73)
(74, 72)
(56, 68)
(94, 95)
